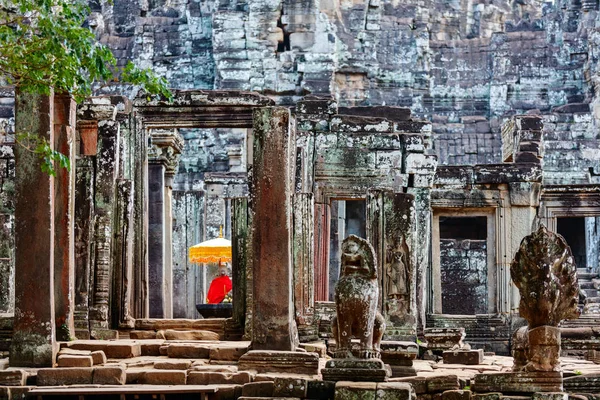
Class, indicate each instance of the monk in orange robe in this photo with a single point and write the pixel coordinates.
(219, 287)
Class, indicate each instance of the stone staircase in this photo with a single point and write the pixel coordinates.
(589, 282)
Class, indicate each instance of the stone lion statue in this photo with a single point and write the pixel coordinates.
(356, 299)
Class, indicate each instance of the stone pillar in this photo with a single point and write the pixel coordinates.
(106, 181)
(168, 203)
(391, 229)
(239, 254)
(163, 157)
(34, 338)
(303, 245)
(156, 249)
(274, 327)
(321, 254)
(123, 256)
(84, 231)
(64, 205)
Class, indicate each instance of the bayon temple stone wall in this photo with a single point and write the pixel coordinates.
(442, 132)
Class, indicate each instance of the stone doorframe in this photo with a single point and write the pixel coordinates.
(568, 201)
(193, 109)
(492, 216)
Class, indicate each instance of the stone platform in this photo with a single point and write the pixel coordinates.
(280, 361)
(357, 370)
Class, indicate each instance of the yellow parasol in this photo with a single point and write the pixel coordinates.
(213, 250)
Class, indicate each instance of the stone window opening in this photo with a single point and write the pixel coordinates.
(283, 45)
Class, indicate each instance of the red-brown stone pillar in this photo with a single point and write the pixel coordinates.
(274, 147)
(34, 339)
(64, 205)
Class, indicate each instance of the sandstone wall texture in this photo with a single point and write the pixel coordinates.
(463, 64)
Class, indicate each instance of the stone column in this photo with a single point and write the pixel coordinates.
(163, 157)
(156, 249)
(123, 256)
(321, 258)
(391, 229)
(34, 338)
(64, 205)
(84, 231)
(168, 203)
(84, 224)
(274, 327)
(106, 181)
(304, 269)
(239, 254)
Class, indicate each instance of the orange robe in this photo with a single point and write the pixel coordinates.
(219, 287)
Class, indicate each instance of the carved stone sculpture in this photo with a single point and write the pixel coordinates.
(545, 273)
(356, 298)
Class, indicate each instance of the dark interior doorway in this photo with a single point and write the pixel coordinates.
(463, 265)
(573, 230)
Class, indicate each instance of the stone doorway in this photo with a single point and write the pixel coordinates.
(348, 217)
(463, 265)
(464, 256)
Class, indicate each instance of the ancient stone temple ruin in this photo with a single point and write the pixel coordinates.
(411, 191)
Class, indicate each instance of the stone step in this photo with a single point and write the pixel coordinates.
(112, 349)
(591, 293)
(586, 276)
(586, 285)
(592, 300)
(146, 391)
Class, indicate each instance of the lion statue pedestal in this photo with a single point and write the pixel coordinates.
(356, 299)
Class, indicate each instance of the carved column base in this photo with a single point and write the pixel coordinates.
(82, 327)
(400, 355)
(544, 349)
(357, 370)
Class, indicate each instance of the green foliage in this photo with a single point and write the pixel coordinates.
(41, 147)
(45, 45)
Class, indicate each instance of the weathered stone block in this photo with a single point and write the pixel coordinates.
(395, 391)
(98, 357)
(187, 350)
(163, 377)
(152, 349)
(141, 335)
(352, 369)
(170, 334)
(487, 396)
(456, 395)
(320, 390)
(290, 387)
(550, 396)
(15, 377)
(218, 378)
(64, 376)
(444, 338)
(258, 389)
(520, 382)
(113, 375)
(280, 361)
(419, 383)
(176, 364)
(437, 384)
(355, 390)
(467, 357)
(111, 349)
(75, 361)
(229, 353)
